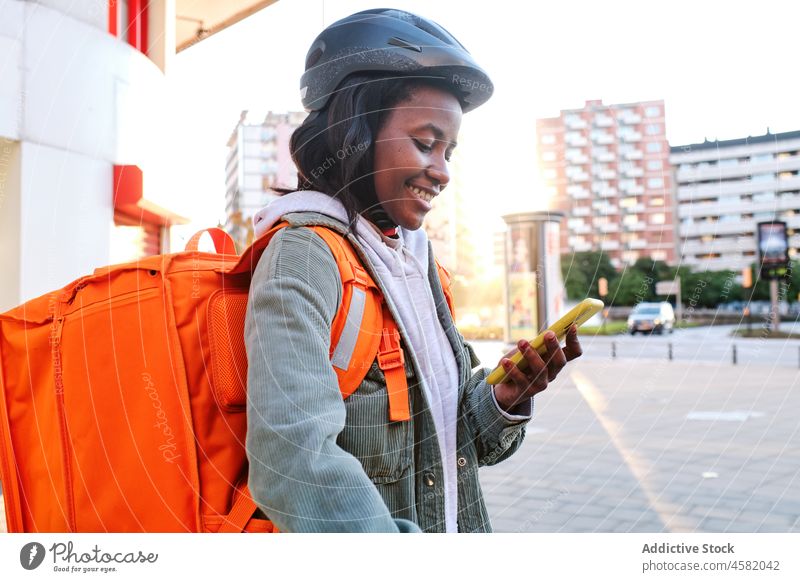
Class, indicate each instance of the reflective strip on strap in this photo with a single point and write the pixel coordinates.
(352, 327)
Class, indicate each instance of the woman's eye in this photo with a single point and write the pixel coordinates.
(424, 148)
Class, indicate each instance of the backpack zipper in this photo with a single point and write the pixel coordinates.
(58, 379)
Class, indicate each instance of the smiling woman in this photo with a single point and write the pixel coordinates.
(364, 413)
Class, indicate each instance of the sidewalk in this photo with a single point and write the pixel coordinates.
(655, 446)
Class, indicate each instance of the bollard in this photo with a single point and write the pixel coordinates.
(669, 351)
(613, 350)
(734, 354)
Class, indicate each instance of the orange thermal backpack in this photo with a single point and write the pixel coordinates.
(123, 394)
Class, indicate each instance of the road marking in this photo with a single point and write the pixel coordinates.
(730, 416)
(668, 513)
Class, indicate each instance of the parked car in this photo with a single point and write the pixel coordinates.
(651, 317)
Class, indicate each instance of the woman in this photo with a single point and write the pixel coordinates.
(386, 91)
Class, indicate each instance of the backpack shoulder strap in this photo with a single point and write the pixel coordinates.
(444, 277)
(363, 328)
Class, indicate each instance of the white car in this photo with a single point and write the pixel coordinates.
(651, 317)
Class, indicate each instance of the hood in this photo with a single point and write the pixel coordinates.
(300, 201)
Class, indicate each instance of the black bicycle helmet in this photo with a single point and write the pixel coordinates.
(390, 41)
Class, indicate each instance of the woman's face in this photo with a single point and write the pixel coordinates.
(411, 154)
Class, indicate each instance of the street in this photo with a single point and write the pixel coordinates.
(696, 344)
(643, 445)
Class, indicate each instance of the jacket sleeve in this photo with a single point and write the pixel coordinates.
(299, 476)
(496, 434)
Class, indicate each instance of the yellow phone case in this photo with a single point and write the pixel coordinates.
(578, 315)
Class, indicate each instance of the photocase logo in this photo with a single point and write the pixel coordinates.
(31, 555)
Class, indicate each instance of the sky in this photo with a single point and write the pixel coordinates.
(724, 69)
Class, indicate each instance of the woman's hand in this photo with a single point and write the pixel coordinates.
(520, 385)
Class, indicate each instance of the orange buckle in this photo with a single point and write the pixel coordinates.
(360, 275)
(391, 356)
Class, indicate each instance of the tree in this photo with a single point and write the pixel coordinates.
(710, 288)
(791, 279)
(581, 271)
(630, 287)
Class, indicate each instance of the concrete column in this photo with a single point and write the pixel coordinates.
(161, 33)
(534, 287)
(10, 223)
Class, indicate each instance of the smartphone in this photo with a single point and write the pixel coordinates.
(578, 315)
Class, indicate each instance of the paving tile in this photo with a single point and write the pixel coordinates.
(653, 455)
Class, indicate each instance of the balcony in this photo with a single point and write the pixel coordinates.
(580, 229)
(631, 137)
(634, 155)
(738, 170)
(575, 139)
(575, 122)
(634, 208)
(577, 159)
(578, 177)
(638, 243)
(690, 192)
(577, 192)
(722, 246)
(604, 157)
(741, 227)
(633, 173)
(580, 210)
(634, 226)
(602, 138)
(603, 121)
(609, 245)
(631, 187)
(611, 227)
(629, 118)
(604, 208)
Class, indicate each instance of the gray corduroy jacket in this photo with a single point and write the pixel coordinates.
(319, 463)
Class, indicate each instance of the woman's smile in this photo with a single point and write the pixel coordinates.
(412, 151)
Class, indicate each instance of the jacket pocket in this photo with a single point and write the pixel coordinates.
(384, 448)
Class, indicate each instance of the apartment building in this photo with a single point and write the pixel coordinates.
(606, 167)
(725, 188)
(258, 159)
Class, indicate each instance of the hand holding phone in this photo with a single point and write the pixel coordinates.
(578, 315)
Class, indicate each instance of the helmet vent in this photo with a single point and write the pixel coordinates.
(404, 44)
(314, 57)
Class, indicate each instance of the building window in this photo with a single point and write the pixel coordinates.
(655, 182)
(656, 202)
(653, 129)
(763, 177)
(549, 156)
(654, 164)
(657, 218)
(652, 111)
(764, 197)
(548, 139)
(654, 146)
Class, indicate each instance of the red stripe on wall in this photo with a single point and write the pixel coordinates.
(112, 17)
(137, 24)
